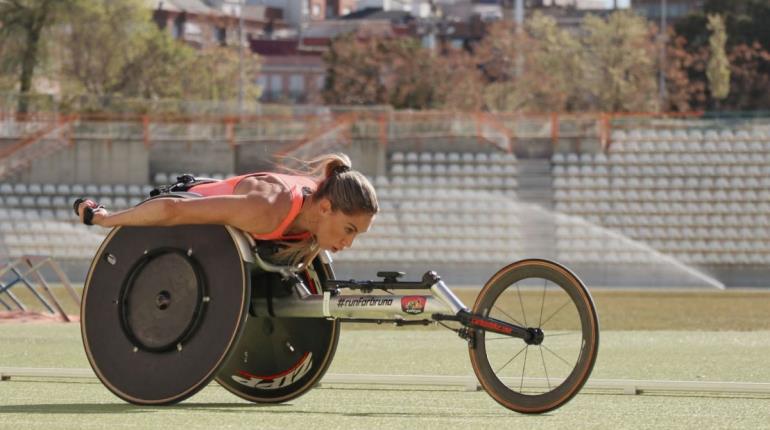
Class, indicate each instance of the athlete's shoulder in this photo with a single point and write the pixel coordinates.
(296, 179)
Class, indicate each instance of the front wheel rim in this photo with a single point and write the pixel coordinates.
(539, 377)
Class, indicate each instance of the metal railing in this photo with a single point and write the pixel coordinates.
(28, 270)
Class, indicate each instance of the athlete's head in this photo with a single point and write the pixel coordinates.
(346, 201)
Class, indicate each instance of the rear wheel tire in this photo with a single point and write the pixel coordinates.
(280, 359)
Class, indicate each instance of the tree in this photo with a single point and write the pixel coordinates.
(553, 65)
(395, 71)
(682, 92)
(718, 68)
(498, 56)
(10, 52)
(619, 63)
(113, 48)
(463, 89)
(611, 67)
(23, 22)
(745, 23)
(354, 73)
(749, 83)
(214, 74)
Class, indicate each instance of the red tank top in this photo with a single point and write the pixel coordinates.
(295, 184)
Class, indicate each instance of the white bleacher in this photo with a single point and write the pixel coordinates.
(447, 209)
(699, 195)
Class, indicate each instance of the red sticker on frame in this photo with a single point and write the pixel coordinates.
(413, 304)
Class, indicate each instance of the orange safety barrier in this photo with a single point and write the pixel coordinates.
(502, 130)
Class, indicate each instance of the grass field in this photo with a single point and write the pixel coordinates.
(706, 336)
(654, 309)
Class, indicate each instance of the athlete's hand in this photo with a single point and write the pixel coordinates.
(90, 212)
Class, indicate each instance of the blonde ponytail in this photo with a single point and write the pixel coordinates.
(348, 191)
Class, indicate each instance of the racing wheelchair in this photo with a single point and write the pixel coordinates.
(167, 309)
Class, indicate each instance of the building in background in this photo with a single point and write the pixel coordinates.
(568, 14)
(575, 4)
(416, 8)
(468, 10)
(288, 73)
(300, 12)
(203, 24)
(293, 70)
(487, 9)
(675, 9)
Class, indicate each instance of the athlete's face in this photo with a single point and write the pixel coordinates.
(336, 230)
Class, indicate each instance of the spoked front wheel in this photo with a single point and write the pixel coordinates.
(545, 372)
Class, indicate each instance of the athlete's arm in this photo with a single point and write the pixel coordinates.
(253, 212)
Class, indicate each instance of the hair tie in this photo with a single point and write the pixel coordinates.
(338, 170)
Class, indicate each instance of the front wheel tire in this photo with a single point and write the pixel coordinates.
(538, 377)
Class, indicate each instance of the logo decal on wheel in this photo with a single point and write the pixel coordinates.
(413, 304)
(279, 380)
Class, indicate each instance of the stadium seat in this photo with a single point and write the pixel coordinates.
(120, 190)
(63, 215)
(600, 158)
(161, 178)
(618, 135)
(20, 188)
(77, 190)
(34, 189)
(681, 134)
(711, 135)
(135, 191)
(105, 190)
(678, 146)
(726, 134)
(49, 189)
(43, 202)
(755, 147)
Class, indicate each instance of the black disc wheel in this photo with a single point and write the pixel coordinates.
(161, 308)
(545, 372)
(279, 359)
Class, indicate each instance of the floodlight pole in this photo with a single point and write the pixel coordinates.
(519, 19)
(240, 57)
(662, 72)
